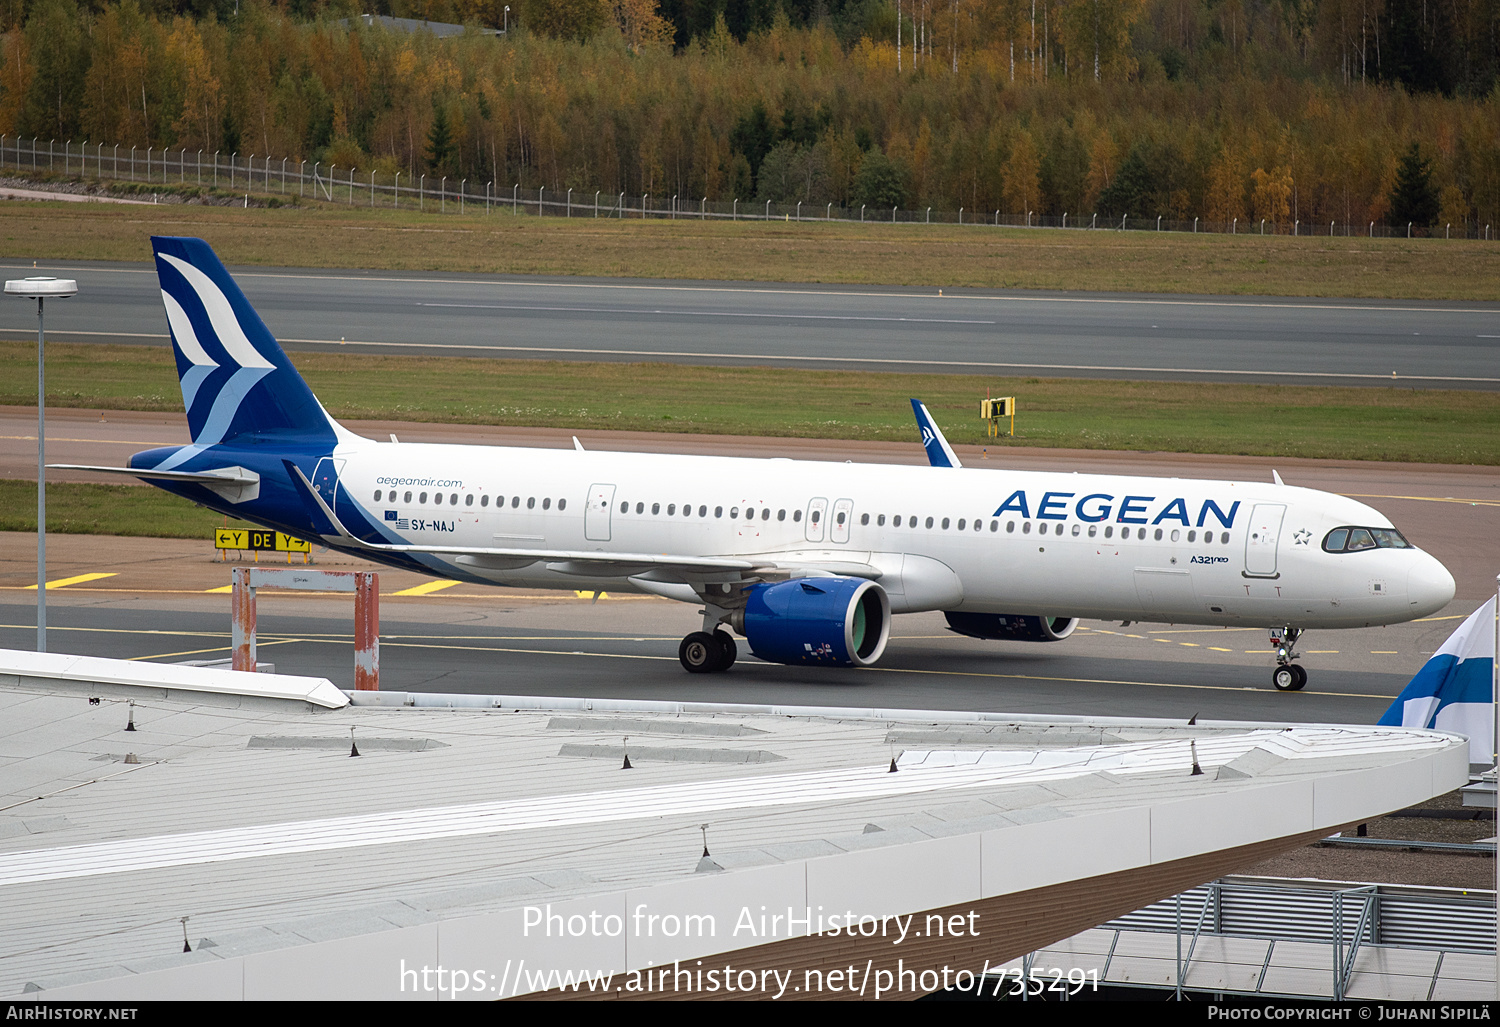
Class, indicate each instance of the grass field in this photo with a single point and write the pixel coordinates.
(76, 509)
(1460, 427)
(922, 255)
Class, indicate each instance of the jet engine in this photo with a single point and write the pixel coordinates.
(834, 622)
(1015, 627)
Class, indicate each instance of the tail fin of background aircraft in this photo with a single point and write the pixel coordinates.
(939, 453)
(235, 377)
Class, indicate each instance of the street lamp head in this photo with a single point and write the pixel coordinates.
(41, 287)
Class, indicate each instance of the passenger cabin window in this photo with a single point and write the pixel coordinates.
(408, 497)
(422, 498)
(484, 500)
(796, 516)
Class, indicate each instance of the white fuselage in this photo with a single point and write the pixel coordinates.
(989, 541)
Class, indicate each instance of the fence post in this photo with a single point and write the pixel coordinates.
(462, 185)
(620, 208)
(1372, 229)
(929, 217)
(366, 631)
(735, 213)
(570, 202)
(893, 214)
(1234, 227)
(443, 195)
(768, 210)
(828, 214)
(372, 189)
(1158, 223)
(540, 192)
(514, 193)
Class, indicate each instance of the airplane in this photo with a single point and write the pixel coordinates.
(806, 561)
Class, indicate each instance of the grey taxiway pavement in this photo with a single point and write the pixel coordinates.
(158, 599)
(964, 331)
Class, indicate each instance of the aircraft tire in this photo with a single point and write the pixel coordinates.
(728, 651)
(1287, 679)
(1301, 677)
(700, 653)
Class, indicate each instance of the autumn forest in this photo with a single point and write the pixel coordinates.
(1319, 110)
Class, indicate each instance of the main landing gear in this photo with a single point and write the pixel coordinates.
(1288, 676)
(705, 653)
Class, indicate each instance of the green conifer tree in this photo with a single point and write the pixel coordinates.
(1414, 199)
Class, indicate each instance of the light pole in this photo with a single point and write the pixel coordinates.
(39, 289)
(505, 23)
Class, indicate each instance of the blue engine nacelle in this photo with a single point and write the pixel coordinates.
(834, 622)
(1015, 627)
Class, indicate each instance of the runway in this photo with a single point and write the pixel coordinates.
(964, 331)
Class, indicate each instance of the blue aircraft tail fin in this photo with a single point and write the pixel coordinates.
(235, 378)
(939, 453)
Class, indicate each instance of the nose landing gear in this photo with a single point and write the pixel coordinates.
(1288, 676)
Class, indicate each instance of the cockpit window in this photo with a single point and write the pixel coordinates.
(1354, 540)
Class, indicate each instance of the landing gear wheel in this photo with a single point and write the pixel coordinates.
(1289, 677)
(728, 651)
(700, 653)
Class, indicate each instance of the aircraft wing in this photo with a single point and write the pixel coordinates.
(582, 562)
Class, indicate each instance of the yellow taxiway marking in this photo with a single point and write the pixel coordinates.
(1195, 645)
(1383, 652)
(426, 588)
(77, 579)
(259, 644)
(220, 589)
(1220, 649)
(496, 597)
(1426, 499)
(1326, 652)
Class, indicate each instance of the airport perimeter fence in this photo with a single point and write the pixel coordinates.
(265, 178)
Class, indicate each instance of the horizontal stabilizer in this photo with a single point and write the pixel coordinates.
(234, 476)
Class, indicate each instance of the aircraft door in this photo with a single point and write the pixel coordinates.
(325, 479)
(596, 514)
(843, 513)
(1261, 539)
(816, 511)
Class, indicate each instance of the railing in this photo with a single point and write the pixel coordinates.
(1411, 917)
(263, 176)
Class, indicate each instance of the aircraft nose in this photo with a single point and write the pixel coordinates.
(1429, 586)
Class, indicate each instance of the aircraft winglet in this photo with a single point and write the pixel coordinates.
(939, 453)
